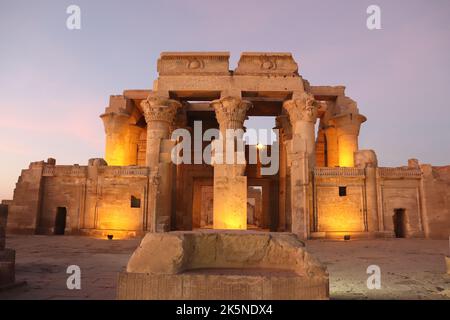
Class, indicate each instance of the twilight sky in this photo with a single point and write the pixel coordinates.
(54, 82)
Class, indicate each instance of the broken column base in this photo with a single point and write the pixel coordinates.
(222, 265)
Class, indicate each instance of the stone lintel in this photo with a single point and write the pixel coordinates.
(327, 92)
(199, 63)
(258, 63)
(136, 94)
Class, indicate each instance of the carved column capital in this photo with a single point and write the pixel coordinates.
(302, 108)
(160, 109)
(348, 124)
(115, 122)
(231, 112)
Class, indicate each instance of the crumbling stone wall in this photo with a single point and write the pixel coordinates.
(96, 197)
(436, 185)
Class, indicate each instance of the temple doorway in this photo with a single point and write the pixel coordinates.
(60, 220)
(399, 223)
(206, 211)
(254, 207)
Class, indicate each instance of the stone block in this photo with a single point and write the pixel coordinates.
(258, 63)
(193, 63)
(222, 265)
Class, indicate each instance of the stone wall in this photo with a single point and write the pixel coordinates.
(335, 211)
(400, 189)
(96, 199)
(436, 186)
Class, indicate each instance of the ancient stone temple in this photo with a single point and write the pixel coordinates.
(323, 185)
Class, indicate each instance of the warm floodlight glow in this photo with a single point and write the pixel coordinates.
(230, 203)
(347, 147)
(260, 146)
(231, 221)
(115, 155)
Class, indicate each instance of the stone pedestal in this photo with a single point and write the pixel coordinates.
(229, 265)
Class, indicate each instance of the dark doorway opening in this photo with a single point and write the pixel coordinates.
(399, 223)
(60, 221)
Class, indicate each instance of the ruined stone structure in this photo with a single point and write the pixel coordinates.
(7, 256)
(239, 265)
(325, 186)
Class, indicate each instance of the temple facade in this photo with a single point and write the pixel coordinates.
(325, 186)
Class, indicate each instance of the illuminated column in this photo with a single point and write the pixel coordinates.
(116, 129)
(285, 134)
(332, 147)
(159, 114)
(300, 159)
(230, 183)
(347, 131)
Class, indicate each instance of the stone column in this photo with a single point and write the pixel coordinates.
(230, 183)
(301, 156)
(332, 147)
(121, 133)
(285, 134)
(367, 160)
(159, 114)
(347, 130)
(117, 147)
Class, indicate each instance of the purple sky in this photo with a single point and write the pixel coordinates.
(54, 83)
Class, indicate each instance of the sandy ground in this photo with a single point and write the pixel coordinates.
(410, 268)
